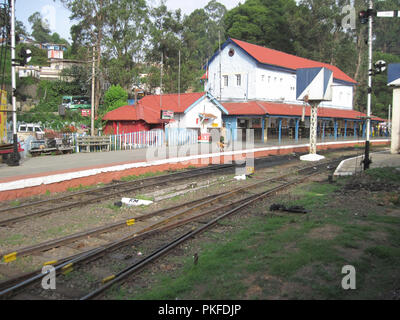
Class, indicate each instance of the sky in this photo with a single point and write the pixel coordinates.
(58, 15)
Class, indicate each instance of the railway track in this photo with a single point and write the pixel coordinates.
(78, 199)
(220, 205)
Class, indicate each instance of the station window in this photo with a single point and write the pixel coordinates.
(238, 80)
(262, 78)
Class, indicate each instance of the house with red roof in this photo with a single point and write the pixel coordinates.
(199, 111)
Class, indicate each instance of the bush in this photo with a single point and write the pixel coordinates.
(114, 98)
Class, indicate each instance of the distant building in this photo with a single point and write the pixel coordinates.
(28, 71)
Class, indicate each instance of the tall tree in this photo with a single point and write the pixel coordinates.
(40, 28)
(262, 22)
(387, 30)
(165, 42)
(124, 35)
(91, 17)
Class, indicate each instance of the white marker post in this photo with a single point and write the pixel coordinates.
(314, 85)
(394, 81)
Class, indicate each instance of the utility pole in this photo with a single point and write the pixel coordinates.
(380, 66)
(93, 84)
(220, 67)
(367, 160)
(15, 155)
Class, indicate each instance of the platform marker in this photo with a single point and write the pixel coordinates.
(109, 278)
(10, 257)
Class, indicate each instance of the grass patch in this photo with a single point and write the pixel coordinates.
(14, 239)
(142, 176)
(258, 256)
(387, 174)
(79, 188)
(144, 197)
(15, 203)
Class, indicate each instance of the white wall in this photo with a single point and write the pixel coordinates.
(188, 120)
(258, 83)
(239, 63)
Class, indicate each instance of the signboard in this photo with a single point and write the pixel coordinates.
(3, 116)
(215, 125)
(314, 84)
(85, 112)
(55, 54)
(166, 115)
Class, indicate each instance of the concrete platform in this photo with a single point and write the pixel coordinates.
(379, 160)
(58, 173)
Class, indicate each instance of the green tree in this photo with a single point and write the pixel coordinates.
(382, 95)
(127, 22)
(114, 98)
(387, 30)
(262, 22)
(165, 38)
(91, 17)
(40, 28)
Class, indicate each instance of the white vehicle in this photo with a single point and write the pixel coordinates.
(26, 129)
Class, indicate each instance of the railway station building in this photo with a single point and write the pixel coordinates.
(256, 90)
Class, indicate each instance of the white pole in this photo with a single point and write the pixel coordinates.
(179, 80)
(220, 67)
(368, 124)
(15, 155)
(92, 109)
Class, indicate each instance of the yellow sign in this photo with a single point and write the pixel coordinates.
(3, 116)
(215, 125)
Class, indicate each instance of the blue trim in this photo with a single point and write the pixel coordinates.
(194, 104)
(336, 127)
(262, 128)
(363, 128)
(345, 128)
(215, 101)
(280, 130)
(355, 129)
(297, 129)
(347, 83)
(212, 99)
(323, 130)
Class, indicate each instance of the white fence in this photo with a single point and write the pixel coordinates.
(136, 140)
(145, 139)
(180, 136)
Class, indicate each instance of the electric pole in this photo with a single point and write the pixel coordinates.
(15, 155)
(93, 84)
(367, 160)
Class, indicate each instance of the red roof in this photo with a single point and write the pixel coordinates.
(171, 101)
(148, 108)
(250, 108)
(282, 109)
(282, 59)
(134, 113)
